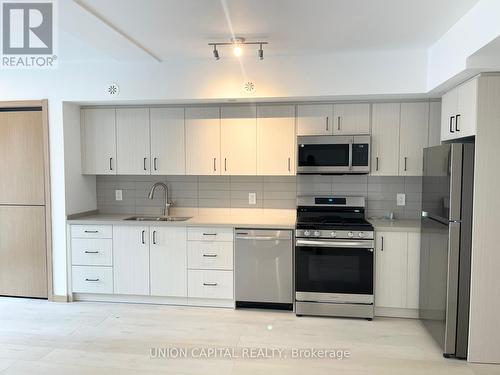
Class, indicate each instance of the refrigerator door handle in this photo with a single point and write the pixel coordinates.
(452, 288)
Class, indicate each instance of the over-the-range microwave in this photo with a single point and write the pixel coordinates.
(334, 154)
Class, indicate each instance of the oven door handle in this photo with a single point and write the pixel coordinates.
(344, 244)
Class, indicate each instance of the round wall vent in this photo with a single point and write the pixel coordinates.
(249, 87)
(112, 89)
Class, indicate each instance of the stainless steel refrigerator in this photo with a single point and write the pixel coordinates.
(445, 254)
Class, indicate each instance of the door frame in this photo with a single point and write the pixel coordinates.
(43, 103)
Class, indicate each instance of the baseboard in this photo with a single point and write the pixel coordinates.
(392, 312)
(59, 298)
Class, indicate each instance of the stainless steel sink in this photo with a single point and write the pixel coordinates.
(158, 218)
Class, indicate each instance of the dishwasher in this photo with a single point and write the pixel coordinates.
(264, 268)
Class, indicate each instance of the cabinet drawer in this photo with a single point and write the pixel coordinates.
(210, 284)
(88, 279)
(91, 231)
(210, 234)
(210, 255)
(92, 251)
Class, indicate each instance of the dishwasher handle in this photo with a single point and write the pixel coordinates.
(259, 238)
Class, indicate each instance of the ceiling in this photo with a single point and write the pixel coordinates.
(182, 28)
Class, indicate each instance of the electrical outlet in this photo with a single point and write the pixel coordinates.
(119, 195)
(401, 199)
(252, 198)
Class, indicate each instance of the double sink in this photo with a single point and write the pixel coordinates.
(158, 218)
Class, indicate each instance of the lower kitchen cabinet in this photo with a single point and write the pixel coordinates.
(397, 259)
(131, 259)
(168, 261)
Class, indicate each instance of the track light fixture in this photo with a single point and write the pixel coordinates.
(238, 44)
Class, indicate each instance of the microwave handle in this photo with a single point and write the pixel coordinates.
(350, 155)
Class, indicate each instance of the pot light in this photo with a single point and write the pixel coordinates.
(238, 44)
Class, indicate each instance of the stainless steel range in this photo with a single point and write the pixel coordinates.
(333, 257)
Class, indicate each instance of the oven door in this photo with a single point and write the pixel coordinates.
(339, 271)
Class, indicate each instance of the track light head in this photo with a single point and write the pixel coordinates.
(216, 53)
(261, 52)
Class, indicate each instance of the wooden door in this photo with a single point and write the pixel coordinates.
(385, 139)
(276, 140)
(168, 261)
(22, 170)
(413, 286)
(203, 141)
(132, 141)
(351, 119)
(238, 140)
(98, 131)
(131, 260)
(414, 133)
(315, 119)
(449, 111)
(23, 255)
(466, 123)
(168, 151)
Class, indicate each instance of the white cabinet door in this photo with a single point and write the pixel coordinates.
(98, 132)
(351, 118)
(315, 119)
(434, 124)
(239, 140)
(449, 109)
(414, 132)
(413, 286)
(168, 152)
(131, 259)
(203, 141)
(391, 269)
(385, 139)
(168, 261)
(276, 140)
(466, 120)
(132, 141)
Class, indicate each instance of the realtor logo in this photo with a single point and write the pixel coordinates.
(28, 34)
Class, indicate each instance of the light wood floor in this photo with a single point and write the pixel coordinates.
(40, 337)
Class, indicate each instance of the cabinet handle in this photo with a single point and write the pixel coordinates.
(338, 123)
(154, 237)
(225, 164)
(210, 234)
(382, 246)
(215, 168)
(91, 231)
(145, 164)
(91, 279)
(451, 124)
(327, 123)
(376, 163)
(155, 164)
(289, 165)
(143, 240)
(91, 252)
(406, 159)
(456, 123)
(210, 255)
(110, 164)
(209, 284)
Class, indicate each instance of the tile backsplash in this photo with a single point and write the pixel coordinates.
(271, 192)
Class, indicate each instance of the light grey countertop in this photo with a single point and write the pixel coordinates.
(397, 225)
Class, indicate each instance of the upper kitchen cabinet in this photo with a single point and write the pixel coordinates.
(203, 141)
(132, 141)
(98, 132)
(385, 139)
(238, 140)
(315, 119)
(276, 140)
(414, 133)
(168, 152)
(351, 119)
(459, 111)
(434, 124)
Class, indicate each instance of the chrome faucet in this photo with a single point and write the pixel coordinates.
(167, 205)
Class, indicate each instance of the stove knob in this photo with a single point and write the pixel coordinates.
(350, 234)
(307, 233)
(317, 233)
(333, 234)
(361, 235)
